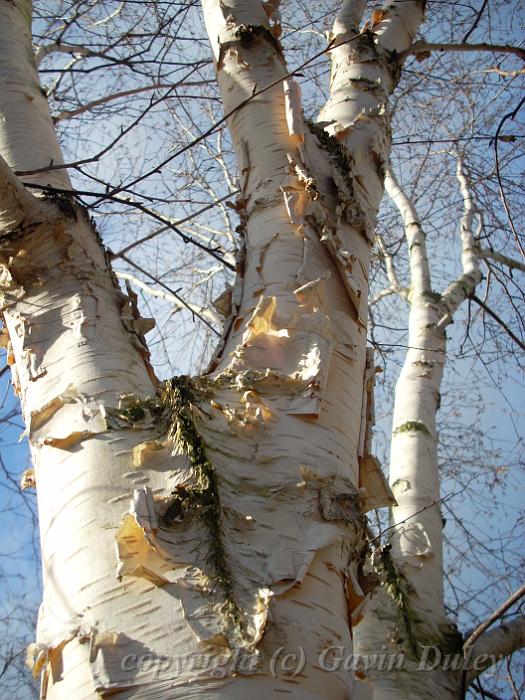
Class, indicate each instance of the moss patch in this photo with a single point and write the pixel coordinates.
(337, 151)
(398, 589)
(412, 426)
(203, 499)
(432, 296)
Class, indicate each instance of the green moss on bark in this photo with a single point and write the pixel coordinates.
(337, 151)
(412, 426)
(398, 588)
(203, 498)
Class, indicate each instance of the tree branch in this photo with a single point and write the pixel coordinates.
(495, 645)
(485, 253)
(215, 252)
(179, 222)
(509, 115)
(466, 284)
(349, 16)
(67, 114)
(485, 693)
(178, 304)
(388, 291)
(172, 293)
(505, 73)
(476, 21)
(498, 320)
(397, 24)
(422, 47)
(419, 268)
(391, 273)
(495, 616)
(78, 51)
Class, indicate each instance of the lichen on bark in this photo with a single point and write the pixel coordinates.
(178, 397)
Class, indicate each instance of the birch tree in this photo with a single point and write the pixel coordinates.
(197, 532)
(410, 606)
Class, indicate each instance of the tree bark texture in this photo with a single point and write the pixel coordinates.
(206, 523)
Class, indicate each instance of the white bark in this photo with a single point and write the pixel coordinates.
(494, 645)
(415, 237)
(349, 17)
(76, 349)
(296, 330)
(63, 311)
(26, 132)
(413, 465)
(490, 254)
(416, 543)
(279, 415)
(312, 326)
(465, 285)
(413, 613)
(15, 200)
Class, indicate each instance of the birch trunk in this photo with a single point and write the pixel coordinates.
(408, 611)
(194, 533)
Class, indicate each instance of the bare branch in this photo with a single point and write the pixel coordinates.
(465, 285)
(215, 252)
(506, 73)
(67, 114)
(420, 279)
(495, 645)
(498, 320)
(485, 693)
(395, 286)
(172, 292)
(78, 51)
(476, 21)
(422, 47)
(495, 616)
(388, 291)
(509, 115)
(179, 222)
(218, 124)
(178, 304)
(492, 254)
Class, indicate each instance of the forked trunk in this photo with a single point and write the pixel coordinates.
(197, 534)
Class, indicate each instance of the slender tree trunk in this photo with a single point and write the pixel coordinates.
(408, 611)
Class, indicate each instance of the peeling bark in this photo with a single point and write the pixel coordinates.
(301, 302)
(221, 515)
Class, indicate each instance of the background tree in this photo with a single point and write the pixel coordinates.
(122, 45)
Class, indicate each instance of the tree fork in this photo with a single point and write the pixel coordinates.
(280, 422)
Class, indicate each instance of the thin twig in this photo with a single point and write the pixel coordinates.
(476, 21)
(167, 228)
(423, 46)
(171, 291)
(498, 320)
(141, 207)
(510, 115)
(214, 127)
(485, 693)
